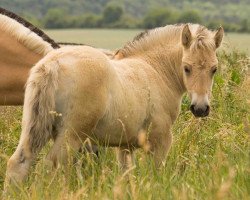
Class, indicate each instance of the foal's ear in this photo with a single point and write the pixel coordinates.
(186, 36)
(218, 37)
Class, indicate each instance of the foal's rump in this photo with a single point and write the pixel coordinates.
(81, 88)
(70, 85)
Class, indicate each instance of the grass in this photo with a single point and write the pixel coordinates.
(113, 39)
(240, 41)
(209, 158)
(101, 38)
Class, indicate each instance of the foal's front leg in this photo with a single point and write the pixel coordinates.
(161, 148)
(125, 158)
(160, 141)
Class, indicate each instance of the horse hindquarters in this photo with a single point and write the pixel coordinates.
(81, 104)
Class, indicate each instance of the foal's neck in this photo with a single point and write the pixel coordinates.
(166, 60)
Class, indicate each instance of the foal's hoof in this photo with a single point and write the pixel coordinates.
(9, 184)
(95, 150)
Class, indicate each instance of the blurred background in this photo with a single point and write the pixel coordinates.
(98, 22)
(234, 15)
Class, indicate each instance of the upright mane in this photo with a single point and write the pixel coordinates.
(169, 35)
(26, 33)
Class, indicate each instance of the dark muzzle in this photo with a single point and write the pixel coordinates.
(200, 111)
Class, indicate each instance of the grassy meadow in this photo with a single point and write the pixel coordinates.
(209, 158)
(113, 39)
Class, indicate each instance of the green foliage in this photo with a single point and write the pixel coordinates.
(234, 15)
(55, 18)
(159, 17)
(245, 25)
(112, 14)
(87, 21)
(190, 16)
(33, 20)
(162, 17)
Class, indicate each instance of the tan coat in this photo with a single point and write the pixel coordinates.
(75, 93)
(22, 45)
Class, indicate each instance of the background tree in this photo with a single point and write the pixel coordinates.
(112, 14)
(159, 17)
(245, 26)
(190, 16)
(88, 21)
(55, 18)
(234, 15)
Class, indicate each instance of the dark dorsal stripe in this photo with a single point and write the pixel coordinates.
(71, 43)
(30, 26)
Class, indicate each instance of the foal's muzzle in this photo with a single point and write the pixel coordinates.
(200, 110)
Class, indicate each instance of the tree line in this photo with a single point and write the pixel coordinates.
(114, 16)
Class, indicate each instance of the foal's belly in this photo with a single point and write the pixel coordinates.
(116, 133)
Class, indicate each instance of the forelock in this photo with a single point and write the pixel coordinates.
(203, 39)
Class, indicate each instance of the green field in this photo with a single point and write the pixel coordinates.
(101, 38)
(209, 158)
(113, 39)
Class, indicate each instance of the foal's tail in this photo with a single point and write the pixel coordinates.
(39, 103)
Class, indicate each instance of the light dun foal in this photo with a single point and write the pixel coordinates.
(111, 100)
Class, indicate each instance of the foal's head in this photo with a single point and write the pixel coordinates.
(199, 64)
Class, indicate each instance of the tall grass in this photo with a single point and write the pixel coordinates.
(209, 158)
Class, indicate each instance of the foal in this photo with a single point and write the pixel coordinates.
(75, 93)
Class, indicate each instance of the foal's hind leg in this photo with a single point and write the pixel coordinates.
(72, 139)
(19, 163)
(66, 142)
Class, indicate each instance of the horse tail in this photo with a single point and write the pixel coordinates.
(39, 103)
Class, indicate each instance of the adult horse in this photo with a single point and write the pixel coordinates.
(21, 46)
(75, 93)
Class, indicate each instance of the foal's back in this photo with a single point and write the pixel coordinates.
(106, 99)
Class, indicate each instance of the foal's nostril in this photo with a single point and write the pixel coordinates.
(192, 108)
(200, 111)
(207, 109)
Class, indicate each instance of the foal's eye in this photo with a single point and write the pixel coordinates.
(187, 70)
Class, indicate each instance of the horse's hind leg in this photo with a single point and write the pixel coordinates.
(66, 142)
(72, 135)
(19, 163)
